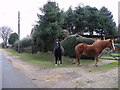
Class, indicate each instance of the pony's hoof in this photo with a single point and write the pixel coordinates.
(79, 64)
(73, 62)
(96, 65)
(56, 65)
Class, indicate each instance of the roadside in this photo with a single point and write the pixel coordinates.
(67, 77)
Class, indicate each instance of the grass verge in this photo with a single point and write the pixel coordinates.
(46, 59)
(106, 57)
(105, 67)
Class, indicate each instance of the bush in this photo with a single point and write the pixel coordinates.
(26, 42)
(28, 49)
(117, 40)
(2, 45)
(13, 37)
(117, 45)
(71, 41)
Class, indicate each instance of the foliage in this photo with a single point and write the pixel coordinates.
(118, 30)
(69, 20)
(117, 40)
(71, 41)
(106, 24)
(89, 19)
(52, 21)
(48, 28)
(13, 37)
(2, 45)
(4, 34)
(64, 34)
(26, 42)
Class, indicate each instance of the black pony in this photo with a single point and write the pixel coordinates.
(58, 52)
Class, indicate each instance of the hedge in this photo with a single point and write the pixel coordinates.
(26, 42)
(71, 41)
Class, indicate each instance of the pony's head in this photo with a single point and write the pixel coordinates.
(57, 44)
(110, 44)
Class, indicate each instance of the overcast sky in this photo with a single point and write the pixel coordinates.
(29, 9)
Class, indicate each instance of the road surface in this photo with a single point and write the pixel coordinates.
(0, 70)
(12, 77)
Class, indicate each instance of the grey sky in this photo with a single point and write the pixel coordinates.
(29, 9)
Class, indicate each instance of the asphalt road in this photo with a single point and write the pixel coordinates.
(0, 70)
(12, 77)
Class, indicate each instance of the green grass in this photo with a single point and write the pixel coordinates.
(46, 59)
(42, 63)
(105, 66)
(12, 52)
(116, 54)
(106, 57)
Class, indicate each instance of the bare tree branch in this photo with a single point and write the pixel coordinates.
(4, 34)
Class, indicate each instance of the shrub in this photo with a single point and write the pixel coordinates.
(117, 40)
(71, 41)
(26, 42)
(13, 37)
(2, 45)
(117, 45)
(28, 49)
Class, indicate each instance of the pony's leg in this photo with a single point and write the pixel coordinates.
(77, 56)
(56, 60)
(78, 59)
(60, 59)
(96, 61)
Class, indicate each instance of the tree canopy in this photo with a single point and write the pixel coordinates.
(81, 19)
(4, 34)
(90, 19)
(49, 23)
(13, 37)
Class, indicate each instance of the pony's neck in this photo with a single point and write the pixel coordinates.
(101, 45)
(59, 45)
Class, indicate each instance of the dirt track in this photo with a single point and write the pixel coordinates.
(73, 77)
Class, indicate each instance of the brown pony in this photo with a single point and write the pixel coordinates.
(93, 50)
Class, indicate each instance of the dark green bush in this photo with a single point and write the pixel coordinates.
(2, 45)
(28, 49)
(117, 40)
(26, 42)
(71, 41)
(117, 45)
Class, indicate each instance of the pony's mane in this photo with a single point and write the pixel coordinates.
(101, 42)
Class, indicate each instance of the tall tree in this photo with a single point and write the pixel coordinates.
(107, 26)
(13, 37)
(91, 17)
(79, 20)
(4, 33)
(69, 20)
(49, 23)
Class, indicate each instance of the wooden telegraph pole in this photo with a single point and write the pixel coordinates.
(18, 32)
